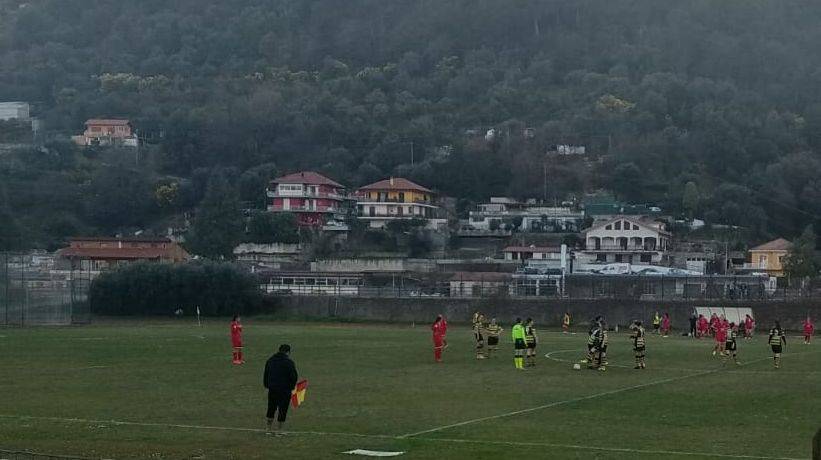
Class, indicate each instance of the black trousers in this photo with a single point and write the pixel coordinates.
(278, 403)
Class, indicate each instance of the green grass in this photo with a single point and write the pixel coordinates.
(379, 381)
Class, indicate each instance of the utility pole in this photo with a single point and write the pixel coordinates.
(544, 172)
(411, 143)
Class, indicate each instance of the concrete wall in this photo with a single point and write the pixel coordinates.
(545, 312)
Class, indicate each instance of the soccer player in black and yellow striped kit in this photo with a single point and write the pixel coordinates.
(493, 331)
(777, 341)
(639, 344)
(530, 341)
(479, 334)
(731, 346)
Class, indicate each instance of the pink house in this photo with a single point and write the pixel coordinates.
(312, 197)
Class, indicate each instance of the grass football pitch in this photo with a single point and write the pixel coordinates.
(167, 390)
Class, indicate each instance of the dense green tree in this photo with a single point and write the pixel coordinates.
(690, 199)
(661, 95)
(217, 289)
(801, 261)
(266, 227)
(218, 224)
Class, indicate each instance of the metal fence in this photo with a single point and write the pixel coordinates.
(583, 286)
(33, 291)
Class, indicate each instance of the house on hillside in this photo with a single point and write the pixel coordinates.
(316, 200)
(107, 132)
(100, 253)
(769, 257)
(397, 198)
(502, 213)
(19, 111)
(629, 239)
(524, 253)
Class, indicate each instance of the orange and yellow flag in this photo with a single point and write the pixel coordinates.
(298, 395)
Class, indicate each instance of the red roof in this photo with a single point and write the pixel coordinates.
(779, 244)
(124, 239)
(107, 121)
(395, 183)
(531, 249)
(306, 177)
(118, 253)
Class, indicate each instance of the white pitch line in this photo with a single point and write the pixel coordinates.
(610, 449)
(571, 401)
(187, 426)
(398, 438)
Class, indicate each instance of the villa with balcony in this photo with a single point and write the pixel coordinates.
(397, 198)
(625, 239)
(316, 200)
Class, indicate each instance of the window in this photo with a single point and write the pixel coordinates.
(619, 258)
(618, 225)
(646, 258)
(635, 227)
(601, 257)
(609, 227)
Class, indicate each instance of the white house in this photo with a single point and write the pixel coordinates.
(625, 239)
(14, 111)
(532, 252)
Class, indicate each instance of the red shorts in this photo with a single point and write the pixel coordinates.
(438, 342)
(721, 338)
(236, 343)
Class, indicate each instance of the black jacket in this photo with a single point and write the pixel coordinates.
(280, 374)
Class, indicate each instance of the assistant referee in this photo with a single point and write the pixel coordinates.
(280, 379)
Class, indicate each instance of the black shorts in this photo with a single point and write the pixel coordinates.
(278, 403)
(519, 344)
(730, 346)
(655, 326)
(492, 341)
(639, 350)
(776, 348)
(531, 345)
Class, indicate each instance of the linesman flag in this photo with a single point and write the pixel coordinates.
(298, 395)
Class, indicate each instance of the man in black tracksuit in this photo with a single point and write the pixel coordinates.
(280, 379)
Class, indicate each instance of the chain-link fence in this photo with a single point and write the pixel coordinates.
(36, 291)
(575, 286)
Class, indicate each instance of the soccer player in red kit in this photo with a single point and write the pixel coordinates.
(440, 329)
(236, 340)
(665, 325)
(721, 327)
(749, 324)
(809, 328)
(703, 326)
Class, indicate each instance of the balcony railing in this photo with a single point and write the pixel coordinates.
(364, 199)
(619, 247)
(304, 209)
(304, 194)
